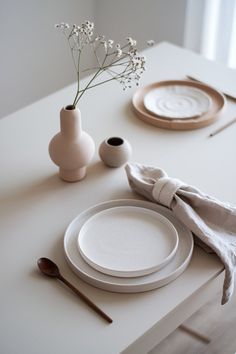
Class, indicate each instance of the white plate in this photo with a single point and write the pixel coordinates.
(177, 101)
(127, 285)
(127, 241)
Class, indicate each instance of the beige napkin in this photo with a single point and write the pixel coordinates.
(212, 221)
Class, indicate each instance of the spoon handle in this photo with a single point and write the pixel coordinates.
(85, 299)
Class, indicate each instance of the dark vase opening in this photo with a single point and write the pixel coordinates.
(115, 141)
(70, 107)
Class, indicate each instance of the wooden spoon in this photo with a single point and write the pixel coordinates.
(50, 269)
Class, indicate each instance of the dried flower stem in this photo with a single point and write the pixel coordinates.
(121, 63)
(78, 96)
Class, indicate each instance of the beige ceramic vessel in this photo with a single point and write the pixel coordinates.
(115, 151)
(72, 148)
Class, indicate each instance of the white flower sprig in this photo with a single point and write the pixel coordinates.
(121, 62)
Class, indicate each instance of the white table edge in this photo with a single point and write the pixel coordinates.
(175, 318)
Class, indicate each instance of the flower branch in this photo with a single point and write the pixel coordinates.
(121, 62)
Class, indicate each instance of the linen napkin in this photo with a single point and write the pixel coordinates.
(212, 221)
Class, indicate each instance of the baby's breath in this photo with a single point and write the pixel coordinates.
(121, 62)
(150, 42)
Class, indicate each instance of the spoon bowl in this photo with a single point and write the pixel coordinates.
(48, 267)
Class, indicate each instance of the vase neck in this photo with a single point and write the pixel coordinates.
(70, 123)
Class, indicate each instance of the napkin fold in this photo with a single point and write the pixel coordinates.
(212, 221)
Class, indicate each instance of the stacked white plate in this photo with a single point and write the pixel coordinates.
(128, 246)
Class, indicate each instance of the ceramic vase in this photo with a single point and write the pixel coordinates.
(72, 148)
(115, 151)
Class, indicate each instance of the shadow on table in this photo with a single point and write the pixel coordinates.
(51, 189)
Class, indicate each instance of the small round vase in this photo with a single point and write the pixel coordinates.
(72, 148)
(115, 151)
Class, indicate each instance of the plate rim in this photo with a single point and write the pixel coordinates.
(133, 273)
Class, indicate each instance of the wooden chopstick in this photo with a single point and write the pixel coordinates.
(205, 83)
(223, 127)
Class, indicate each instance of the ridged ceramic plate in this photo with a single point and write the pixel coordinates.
(177, 101)
(127, 241)
(120, 284)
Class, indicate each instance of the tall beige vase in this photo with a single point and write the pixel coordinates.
(71, 149)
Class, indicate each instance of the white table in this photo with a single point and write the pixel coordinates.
(40, 315)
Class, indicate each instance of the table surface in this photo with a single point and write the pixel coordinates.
(39, 314)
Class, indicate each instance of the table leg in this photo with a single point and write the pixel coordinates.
(195, 333)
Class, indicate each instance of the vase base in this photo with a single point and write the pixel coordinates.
(72, 175)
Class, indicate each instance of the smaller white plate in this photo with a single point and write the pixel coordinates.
(127, 241)
(177, 102)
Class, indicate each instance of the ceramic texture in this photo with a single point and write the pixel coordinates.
(72, 148)
(177, 101)
(115, 151)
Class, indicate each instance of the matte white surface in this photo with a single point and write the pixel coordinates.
(127, 241)
(40, 315)
(175, 101)
(128, 285)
